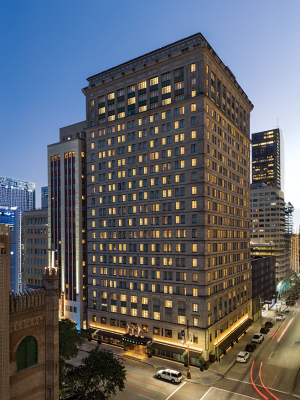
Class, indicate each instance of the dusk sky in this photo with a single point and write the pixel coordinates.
(49, 48)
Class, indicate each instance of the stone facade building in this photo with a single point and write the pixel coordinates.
(167, 154)
(29, 331)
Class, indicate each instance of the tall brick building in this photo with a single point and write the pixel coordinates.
(167, 154)
(28, 335)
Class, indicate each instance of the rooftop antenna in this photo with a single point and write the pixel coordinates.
(277, 123)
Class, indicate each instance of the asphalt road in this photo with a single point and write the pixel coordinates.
(275, 364)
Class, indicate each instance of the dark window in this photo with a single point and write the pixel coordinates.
(27, 353)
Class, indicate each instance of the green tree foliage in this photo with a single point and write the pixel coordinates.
(100, 375)
(69, 340)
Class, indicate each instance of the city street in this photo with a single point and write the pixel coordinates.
(275, 364)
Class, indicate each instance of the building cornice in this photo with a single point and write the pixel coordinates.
(194, 43)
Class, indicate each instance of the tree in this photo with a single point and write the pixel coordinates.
(100, 375)
(69, 340)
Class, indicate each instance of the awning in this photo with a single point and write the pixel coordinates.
(110, 334)
(175, 349)
(127, 338)
(91, 330)
(226, 343)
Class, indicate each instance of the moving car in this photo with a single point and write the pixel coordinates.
(280, 317)
(287, 310)
(243, 356)
(258, 338)
(250, 347)
(169, 375)
(264, 329)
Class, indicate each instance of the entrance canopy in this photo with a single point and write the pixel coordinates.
(134, 339)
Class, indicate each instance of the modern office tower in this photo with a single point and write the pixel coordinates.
(168, 198)
(295, 253)
(67, 218)
(17, 193)
(267, 158)
(21, 194)
(268, 224)
(289, 225)
(44, 197)
(11, 216)
(35, 238)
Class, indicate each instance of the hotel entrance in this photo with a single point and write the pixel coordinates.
(135, 345)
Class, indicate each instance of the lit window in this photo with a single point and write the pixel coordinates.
(181, 320)
(193, 135)
(111, 96)
(195, 292)
(194, 262)
(111, 118)
(193, 107)
(166, 101)
(142, 85)
(193, 94)
(193, 67)
(142, 109)
(94, 293)
(194, 161)
(194, 247)
(166, 89)
(194, 189)
(194, 204)
(154, 81)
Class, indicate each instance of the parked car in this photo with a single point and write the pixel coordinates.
(269, 324)
(280, 317)
(264, 329)
(250, 347)
(169, 375)
(287, 310)
(243, 356)
(258, 338)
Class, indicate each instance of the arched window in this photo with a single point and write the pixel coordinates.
(27, 353)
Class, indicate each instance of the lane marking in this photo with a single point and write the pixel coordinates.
(228, 391)
(207, 392)
(159, 391)
(145, 396)
(126, 383)
(249, 383)
(258, 391)
(175, 390)
(264, 385)
(145, 381)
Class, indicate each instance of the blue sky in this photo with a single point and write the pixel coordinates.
(48, 49)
